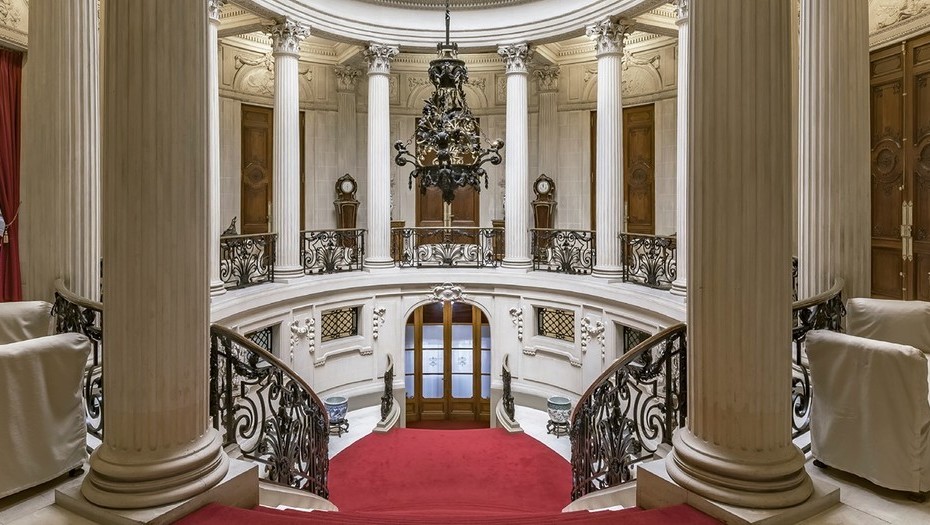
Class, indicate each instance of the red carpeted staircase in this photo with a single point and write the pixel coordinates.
(412, 476)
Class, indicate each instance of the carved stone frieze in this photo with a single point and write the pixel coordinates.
(379, 57)
(286, 36)
(516, 57)
(10, 14)
(346, 78)
(609, 34)
(547, 78)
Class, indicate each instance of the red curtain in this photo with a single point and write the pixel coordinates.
(11, 67)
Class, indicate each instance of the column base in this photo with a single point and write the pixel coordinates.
(607, 272)
(679, 287)
(518, 263)
(217, 288)
(286, 274)
(656, 489)
(733, 477)
(239, 488)
(133, 481)
(379, 263)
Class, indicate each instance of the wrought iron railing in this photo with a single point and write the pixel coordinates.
(507, 397)
(649, 260)
(821, 312)
(387, 398)
(564, 251)
(265, 408)
(247, 260)
(332, 251)
(629, 411)
(447, 247)
(76, 314)
(794, 278)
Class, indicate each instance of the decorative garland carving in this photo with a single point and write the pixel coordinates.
(591, 329)
(516, 316)
(297, 332)
(447, 293)
(377, 321)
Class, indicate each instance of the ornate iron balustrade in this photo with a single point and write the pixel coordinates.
(794, 278)
(447, 247)
(332, 251)
(265, 408)
(649, 259)
(631, 408)
(821, 312)
(507, 396)
(387, 398)
(76, 314)
(247, 260)
(563, 251)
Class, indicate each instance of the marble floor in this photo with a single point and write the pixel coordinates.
(862, 503)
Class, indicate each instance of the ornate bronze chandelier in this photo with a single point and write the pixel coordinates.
(447, 140)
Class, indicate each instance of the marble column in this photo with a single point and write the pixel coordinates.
(833, 149)
(285, 214)
(516, 159)
(158, 447)
(213, 88)
(347, 126)
(737, 447)
(547, 83)
(379, 58)
(680, 284)
(59, 217)
(608, 35)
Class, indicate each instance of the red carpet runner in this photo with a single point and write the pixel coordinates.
(410, 476)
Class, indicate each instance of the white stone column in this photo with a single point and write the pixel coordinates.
(833, 149)
(379, 58)
(158, 447)
(213, 87)
(608, 35)
(285, 213)
(680, 284)
(737, 446)
(516, 159)
(60, 185)
(547, 83)
(347, 126)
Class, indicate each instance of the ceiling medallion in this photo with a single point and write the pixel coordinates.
(447, 140)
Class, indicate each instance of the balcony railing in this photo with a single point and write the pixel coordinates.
(269, 412)
(563, 251)
(447, 247)
(631, 408)
(649, 260)
(332, 251)
(73, 313)
(247, 260)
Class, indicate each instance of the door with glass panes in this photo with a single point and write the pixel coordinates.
(448, 363)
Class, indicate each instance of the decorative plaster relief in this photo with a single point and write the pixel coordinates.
(516, 316)
(377, 321)
(10, 14)
(447, 293)
(886, 13)
(346, 78)
(572, 360)
(548, 78)
(362, 350)
(641, 76)
(591, 329)
(297, 332)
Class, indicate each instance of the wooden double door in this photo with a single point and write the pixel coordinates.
(448, 363)
(900, 170)
(639, 176)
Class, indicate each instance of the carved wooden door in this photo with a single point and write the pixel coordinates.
(257, 166)
(900, 170)
(639, 178)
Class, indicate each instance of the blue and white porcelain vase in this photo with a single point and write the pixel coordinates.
(559, 408)
(336, 406)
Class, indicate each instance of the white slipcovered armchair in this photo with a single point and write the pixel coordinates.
(42, 426)
(871, 400)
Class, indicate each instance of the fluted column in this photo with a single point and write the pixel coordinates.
(680, 284)
(516, 159)
(737, 446)
(213, 87)
(547, 79)
(833, 156)
(286, 37)
(608, 35)
(347, 129)
(379, 58)
(158, 447)
(59, 217)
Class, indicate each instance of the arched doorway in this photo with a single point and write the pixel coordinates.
(447, 352)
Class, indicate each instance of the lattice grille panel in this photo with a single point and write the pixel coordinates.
(338, 323)
(263, 338)
(555, 323)
(632, 337)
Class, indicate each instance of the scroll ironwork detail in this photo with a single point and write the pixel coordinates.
(649, 260)
(332, 251)
(448, 247)
(247, 260)
(563, 251)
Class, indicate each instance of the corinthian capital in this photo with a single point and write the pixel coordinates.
(379, 57)
(548, 78)
(681, 9)
(286, 36)
(213, 9)
(346, 78)
(516, 56)
(609, 33)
